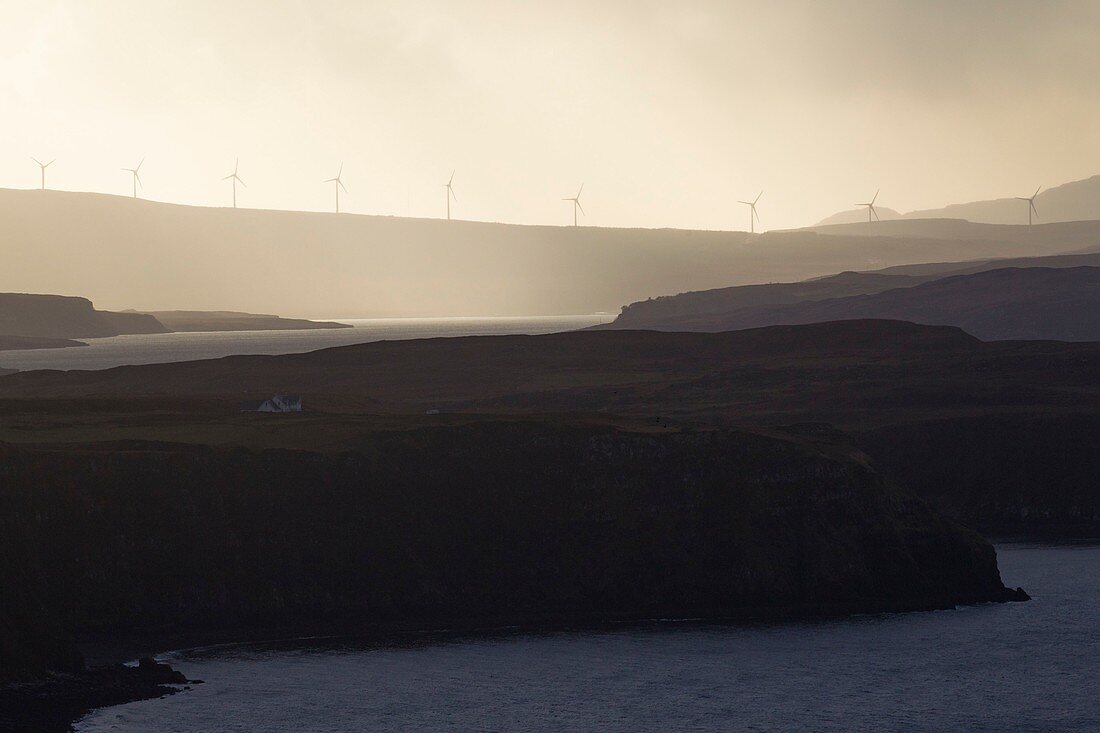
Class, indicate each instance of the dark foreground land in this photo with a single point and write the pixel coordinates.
(589, 476)
(1000, 435)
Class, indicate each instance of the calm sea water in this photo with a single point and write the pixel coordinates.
(1015, 667)
(104, 353)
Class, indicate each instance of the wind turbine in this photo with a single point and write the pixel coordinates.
(576, 203)
(1030, 205)
(236, 179)
(43, 166)
(871, 208)
(136, 174)
(450, 194)
(753, 216)
(339, 185)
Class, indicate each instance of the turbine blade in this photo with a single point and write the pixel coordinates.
(875, 213)
(341, 185)
(50, 163)
(873, 200)
(452, 192)
(239, 180)
(451, 179)
(1032, 195)
(231, 175)
(36, 160)
(578, 202)
(758, 196)
(140, 164)
(580, 190)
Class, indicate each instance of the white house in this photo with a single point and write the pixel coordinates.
(278, 403)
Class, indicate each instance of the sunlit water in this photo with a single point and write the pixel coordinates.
(1014, 667)
(103, 353)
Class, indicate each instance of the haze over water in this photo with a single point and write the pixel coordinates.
(999, 667)
(104, 353)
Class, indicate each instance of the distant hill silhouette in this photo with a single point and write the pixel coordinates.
(1074, 201)
(859, 216)
(65, 317)
(833, 299)
(233, 321)
(1011, 303)
(129, 253)
(29, 321)
(1070, 235)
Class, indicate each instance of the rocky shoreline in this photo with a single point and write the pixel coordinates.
(53, 703)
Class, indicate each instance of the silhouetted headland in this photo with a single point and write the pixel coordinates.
(32, 321)
(182, 321)
(579, 477)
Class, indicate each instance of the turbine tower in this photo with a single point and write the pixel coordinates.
(1030, 205)
(43, 166)
(871, 208)
(236, 179)
(753, 216)
(136, 174)
(576, 203)
(338, 186)
(450, 194)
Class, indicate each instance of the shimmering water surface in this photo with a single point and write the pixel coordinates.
(1014, 667)
(103, 353)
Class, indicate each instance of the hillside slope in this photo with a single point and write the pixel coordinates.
(129, 253)
(912, 395)
(726, 308)
(1007, 303)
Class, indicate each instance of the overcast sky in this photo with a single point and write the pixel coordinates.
(668, 112)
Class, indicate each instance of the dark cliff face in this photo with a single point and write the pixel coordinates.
(1029, 474)
(496, 521)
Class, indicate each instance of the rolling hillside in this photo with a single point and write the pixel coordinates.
(125, 253)
(1010, 303)
(1040, 299)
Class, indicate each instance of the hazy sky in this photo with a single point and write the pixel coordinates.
(668, 112)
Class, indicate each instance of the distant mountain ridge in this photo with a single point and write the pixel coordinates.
(1073, 201)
